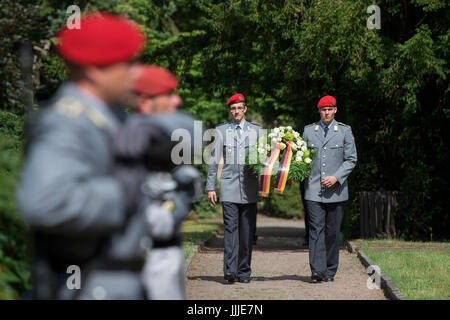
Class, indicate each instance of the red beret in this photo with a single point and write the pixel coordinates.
(153, 81)
(238, 97)
(102, 39)
(327, 101)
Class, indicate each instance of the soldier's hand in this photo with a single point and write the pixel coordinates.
(212, 197)
(134, 139)
(329, 181)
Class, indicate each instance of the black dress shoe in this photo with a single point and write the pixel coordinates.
(229, 277)
(244, 280)
(316, 277)
(328, 279)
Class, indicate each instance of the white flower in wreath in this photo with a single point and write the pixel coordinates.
(276, 130)
(299, 154)
(289, 128)
(303, 148)
(298, 159)
(268, 147)
(296, 134)
(294, 146)
(261, 150)
(275, 140)
(261, 145)
(308, 160)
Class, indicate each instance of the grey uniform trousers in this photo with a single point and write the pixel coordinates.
(324, 230)
(239, 220)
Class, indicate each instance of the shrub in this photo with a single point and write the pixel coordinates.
(288, 205)
(14, 267)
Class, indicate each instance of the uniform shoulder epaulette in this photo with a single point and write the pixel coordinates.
(255, 124)
(343, 124)
(309, 125)
(222, 124)
(71, 107)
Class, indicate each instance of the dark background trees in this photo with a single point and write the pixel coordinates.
(391, 84)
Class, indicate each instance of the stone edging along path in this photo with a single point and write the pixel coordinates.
(196, 250)
(188, 261)
(390, 289)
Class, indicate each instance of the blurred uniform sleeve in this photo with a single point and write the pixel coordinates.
(216, 154)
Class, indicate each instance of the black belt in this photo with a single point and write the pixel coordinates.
(175, 241)
(112, 265)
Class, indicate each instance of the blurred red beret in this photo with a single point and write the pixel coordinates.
(238, 97)
(154, 80)
(102, 39)
(327, 101)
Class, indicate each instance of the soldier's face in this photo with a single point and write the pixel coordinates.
(164, 103)
(327, 114)
(116, 83)
(237, 111)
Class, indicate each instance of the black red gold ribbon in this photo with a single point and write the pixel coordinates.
(264, 184)
(283, 170)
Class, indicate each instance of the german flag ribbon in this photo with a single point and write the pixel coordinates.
(264, 184)
(283, 170)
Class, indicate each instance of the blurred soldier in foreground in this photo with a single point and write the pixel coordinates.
(168, 189)
(78, 207)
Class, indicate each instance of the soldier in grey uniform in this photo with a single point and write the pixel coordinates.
(238, 189)
(169, 189)
(326, 188)
(88, 243)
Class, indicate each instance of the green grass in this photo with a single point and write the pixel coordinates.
(197, 231)
(419, 273)
(386, 243)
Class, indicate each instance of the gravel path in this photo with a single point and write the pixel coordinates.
(280, 270)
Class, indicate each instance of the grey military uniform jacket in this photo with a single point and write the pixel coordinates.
(67, 191)
(335, 155)
(238, 183)
(66, 185)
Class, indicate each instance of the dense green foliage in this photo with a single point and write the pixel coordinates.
(286, 205)
(14, 268)
(391, 84)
